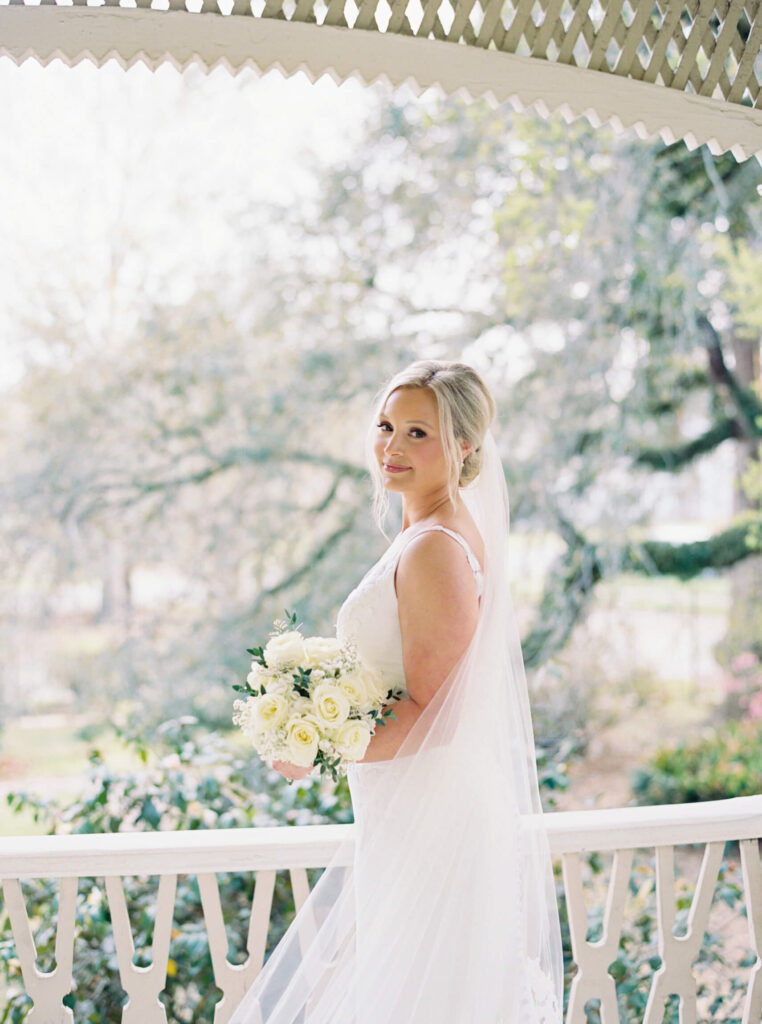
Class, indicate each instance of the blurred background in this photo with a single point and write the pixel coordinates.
(203, 282)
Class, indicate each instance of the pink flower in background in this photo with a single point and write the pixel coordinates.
(755, 705)
(744, 662)
(731, 684)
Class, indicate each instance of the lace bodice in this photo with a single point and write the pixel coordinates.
(370, 615)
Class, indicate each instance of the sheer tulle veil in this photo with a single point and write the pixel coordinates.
(442, 908)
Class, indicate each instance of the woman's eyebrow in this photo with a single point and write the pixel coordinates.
(383, 416)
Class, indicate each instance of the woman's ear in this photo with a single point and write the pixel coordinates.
(465, 449)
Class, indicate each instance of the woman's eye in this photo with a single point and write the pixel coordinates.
(383, 426)
(418, 432)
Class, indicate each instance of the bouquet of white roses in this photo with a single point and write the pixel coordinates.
(309, 700)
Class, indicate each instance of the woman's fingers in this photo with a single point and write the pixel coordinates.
(290, 770)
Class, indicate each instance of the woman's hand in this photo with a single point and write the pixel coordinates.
(290, 770)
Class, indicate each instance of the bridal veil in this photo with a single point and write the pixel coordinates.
(442, 908)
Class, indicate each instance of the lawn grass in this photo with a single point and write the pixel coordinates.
(47, 756)
(44, 746)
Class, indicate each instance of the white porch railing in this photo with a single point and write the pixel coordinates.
(267, 850)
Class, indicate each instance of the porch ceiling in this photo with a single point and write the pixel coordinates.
(690, 70)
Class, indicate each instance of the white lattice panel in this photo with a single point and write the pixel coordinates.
(688, 69)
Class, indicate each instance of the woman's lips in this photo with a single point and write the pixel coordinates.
(395, 469)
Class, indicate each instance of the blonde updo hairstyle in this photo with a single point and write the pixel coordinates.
(466, 410)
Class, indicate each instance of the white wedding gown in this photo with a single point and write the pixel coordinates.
(434, 920)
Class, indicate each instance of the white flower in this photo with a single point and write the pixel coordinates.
(331, 705)
(285, 650)
(279, 684)
(302, 741)
(352, 740)
(321, 648)
(361, 689)
(375, 687)
(258, 675)
(268, 711)
(303, 706)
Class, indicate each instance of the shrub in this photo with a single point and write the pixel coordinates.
(192, 780)
(197, 782)
(725, 763)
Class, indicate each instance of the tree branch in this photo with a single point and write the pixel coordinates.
(747, 404)
(672, 458)
(320, 552)
(572, 580)
(123, 494)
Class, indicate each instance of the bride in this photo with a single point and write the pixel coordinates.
(442, 908)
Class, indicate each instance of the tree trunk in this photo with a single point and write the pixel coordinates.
(116, 602)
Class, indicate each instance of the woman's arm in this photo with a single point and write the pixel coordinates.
(387, 739)
(438, 611)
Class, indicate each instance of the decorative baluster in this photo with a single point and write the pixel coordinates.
(45, 989)
(234, 979)
(301, 889)
(752, 887)
(593, 958)
(142, 984)
(678, 952)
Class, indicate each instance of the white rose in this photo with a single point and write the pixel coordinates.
(352, 740)
(331, 705)
(258, 675)
(285, 650)
(362, 690)
(302, 741)
(321, 648)
(268, 711)
(374, 686)
(353, 687)
(277, 684)
(303, 707)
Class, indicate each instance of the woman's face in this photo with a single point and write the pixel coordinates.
(408, 445)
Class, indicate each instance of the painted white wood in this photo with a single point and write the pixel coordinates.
(159, 853)
(264, 850)
(74, 33)
(593, 958)
(235, 979)
(312, 846)
(660, 825)
(46, 989)
(307, 923)
(142, 984)
(679, 951)
(752, 883)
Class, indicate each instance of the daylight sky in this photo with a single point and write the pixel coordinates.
(67, 136)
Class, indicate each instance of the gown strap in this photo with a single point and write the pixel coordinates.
(472, 559)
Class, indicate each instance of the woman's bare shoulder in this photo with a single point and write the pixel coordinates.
(432, 559)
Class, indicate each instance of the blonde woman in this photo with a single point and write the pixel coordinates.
(442, 909)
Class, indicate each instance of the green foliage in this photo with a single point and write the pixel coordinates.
(192, 780)
(197, 782)
(725, 763)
